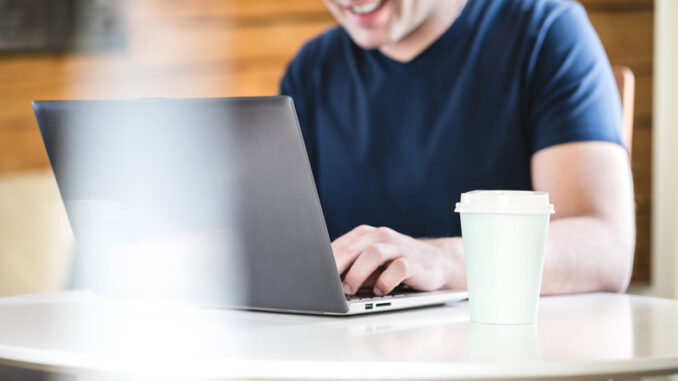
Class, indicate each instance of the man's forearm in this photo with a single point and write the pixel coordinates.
(582, 254)
(587, 254)
(592, 235)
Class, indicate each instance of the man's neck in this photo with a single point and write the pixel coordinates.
(427, 33)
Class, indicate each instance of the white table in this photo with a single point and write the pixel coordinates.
(586, 336)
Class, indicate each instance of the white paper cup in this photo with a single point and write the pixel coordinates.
(504, 235)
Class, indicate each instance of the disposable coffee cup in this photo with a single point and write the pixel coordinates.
(504, 237)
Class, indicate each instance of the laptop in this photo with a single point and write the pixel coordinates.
(210, 201)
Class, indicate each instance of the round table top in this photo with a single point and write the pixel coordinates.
(606, 335)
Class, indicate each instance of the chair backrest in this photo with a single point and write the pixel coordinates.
(626, 84)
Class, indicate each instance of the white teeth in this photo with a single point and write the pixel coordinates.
(366, 8)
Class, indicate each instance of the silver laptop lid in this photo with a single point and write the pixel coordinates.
(206, 200)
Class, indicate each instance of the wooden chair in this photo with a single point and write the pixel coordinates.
(626, 84)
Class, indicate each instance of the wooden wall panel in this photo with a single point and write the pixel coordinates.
(21, 148)
(177, 48)
(627, 36)
(237, 9)
(617, 5)
(197, 48)
(643, 100)
(626, 30)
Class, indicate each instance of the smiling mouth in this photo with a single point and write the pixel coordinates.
(366, 8)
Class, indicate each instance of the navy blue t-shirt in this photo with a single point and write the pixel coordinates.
(395, 144)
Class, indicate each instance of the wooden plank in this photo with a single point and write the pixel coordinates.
(170, 49)
(643, 98)
(21, 149)
(642, 258)
(641, 166)
(182, 9)
(617, 5)
(627, 36)
(132, 82)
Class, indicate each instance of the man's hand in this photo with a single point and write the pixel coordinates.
(392, 258)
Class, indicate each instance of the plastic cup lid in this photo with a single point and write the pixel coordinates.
(504, 201)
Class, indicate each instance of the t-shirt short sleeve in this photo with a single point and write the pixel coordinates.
(572, 92)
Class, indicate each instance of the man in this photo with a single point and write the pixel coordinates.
(412, 102)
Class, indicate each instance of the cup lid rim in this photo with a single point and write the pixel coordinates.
(505, 201)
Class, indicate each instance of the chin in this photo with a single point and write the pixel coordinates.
(372, 38)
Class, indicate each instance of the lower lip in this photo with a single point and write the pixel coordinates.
(368, 18)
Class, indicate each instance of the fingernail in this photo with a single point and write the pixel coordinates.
(347, 289)
(378, 292)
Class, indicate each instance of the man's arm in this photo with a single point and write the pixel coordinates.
(589, 247)
(592, 235)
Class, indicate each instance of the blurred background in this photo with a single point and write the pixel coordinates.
(102, 49)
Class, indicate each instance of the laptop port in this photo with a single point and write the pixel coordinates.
(368, 306)
(387, 304)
